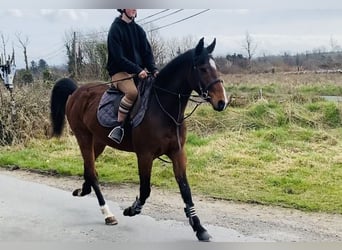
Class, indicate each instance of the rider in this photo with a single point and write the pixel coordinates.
(129, 55)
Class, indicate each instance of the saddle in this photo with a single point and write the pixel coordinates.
(107, 111)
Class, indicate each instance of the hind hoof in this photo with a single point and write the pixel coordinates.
(111, 221)
(203, 236)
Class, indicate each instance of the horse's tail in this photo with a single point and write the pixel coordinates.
(59, 96)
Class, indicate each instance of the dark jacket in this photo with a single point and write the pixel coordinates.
(128, 49)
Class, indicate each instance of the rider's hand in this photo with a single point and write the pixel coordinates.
(142, 74)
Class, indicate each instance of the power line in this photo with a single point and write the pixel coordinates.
(93, 35)
(156, 19)
(50, 54)
(181, 20)
(55, 53)
(153, 15)
(106, 31)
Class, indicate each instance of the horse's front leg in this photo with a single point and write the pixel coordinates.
(145, 166)
(179, 168)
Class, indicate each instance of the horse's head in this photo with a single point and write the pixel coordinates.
(207, 82)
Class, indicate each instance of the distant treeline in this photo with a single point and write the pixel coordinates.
(313, 61)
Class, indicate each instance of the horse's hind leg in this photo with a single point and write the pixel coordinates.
(90, 151)
(179, 168)
(89, 172)
(109, 217)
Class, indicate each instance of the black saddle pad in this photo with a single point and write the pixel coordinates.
(107, 112)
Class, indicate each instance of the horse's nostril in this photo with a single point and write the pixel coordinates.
(221, 105)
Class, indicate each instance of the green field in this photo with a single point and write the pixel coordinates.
(279, 143)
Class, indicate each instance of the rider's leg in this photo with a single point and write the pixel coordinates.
(129, 89)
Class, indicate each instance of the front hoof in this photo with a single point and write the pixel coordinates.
(111, 221)
(203, 236)
(77, 192)
(130, 212)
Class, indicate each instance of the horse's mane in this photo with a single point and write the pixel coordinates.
(175, 65)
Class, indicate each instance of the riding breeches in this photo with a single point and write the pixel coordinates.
(127, 86)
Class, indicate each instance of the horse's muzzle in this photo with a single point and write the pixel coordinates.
(222, 104)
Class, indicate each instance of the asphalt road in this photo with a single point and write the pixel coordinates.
(36, 212)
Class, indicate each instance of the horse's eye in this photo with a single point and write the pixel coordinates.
(203, 70)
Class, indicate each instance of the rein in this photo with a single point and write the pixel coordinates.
(111, 82)
(123, 79)
(178, 122)
(204, 95)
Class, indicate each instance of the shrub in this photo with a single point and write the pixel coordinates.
(332, 115)
(27, 117)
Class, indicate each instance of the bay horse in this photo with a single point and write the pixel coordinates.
(161, 132)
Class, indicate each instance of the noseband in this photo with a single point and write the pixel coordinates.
(204, 91)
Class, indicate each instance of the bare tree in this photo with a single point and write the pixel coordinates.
(24, 42)
(177, 46)
(334, 45)
(4, 41)
(187, 42)
(87, 54)
(158, 47)
(249, 46)
(172, 48)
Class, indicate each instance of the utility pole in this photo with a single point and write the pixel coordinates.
(75, 55)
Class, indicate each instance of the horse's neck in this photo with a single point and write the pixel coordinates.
(175, 80)
(172, 97)
(173, 89)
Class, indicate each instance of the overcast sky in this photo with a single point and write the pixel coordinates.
(274, 31)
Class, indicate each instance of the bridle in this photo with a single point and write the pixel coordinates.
(203, 94)
(204, 91)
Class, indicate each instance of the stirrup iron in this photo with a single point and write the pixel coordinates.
(117, 134)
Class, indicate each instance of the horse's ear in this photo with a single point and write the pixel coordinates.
(211, 47)
(199, 46)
